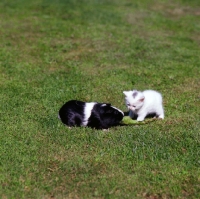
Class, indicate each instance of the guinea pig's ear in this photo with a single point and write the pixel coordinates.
(105, 105)
(106, 108)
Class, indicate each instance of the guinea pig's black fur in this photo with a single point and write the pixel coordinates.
(92, 114)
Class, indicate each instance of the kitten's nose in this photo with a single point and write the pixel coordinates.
(131, 108)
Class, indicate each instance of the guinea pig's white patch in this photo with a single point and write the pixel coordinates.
(87, 112)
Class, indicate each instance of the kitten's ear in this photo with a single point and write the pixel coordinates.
(141, 99)
(126, 93)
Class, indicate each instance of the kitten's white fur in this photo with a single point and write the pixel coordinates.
(144, 103)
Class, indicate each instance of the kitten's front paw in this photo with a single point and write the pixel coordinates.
(139, 119)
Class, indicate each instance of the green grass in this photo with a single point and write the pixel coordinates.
(54, 51)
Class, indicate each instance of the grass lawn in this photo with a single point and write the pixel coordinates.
(93, 50)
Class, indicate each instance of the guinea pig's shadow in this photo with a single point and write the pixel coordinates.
(150, 115)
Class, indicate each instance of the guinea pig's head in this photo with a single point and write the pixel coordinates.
(110, 115)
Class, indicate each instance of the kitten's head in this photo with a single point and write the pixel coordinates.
(134, 99)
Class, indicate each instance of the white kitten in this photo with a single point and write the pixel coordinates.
(144, 103)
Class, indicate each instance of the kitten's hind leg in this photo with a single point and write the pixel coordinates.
(161, 114)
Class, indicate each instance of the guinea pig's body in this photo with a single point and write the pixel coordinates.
(91, 114)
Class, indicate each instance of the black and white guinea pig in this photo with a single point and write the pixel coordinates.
(91, 114)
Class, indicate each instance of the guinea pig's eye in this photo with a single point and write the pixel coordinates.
(128, 104)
